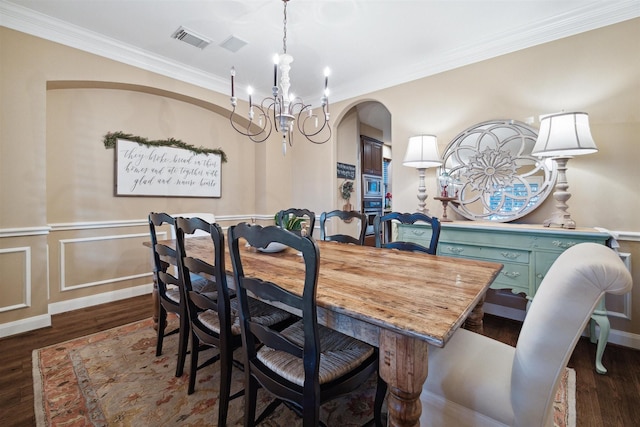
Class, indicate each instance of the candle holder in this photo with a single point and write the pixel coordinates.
(445, 202)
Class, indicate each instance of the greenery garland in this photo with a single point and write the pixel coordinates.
(111, 137)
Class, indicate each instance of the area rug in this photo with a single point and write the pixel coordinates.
(113, 378)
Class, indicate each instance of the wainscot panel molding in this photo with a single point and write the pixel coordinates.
(24, 325)
(63, 244)
(26, 285)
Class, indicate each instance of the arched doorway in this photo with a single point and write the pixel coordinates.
(368, 121)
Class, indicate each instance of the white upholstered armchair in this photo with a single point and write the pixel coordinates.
(477, 381)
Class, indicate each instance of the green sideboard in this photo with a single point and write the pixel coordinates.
(526, 251)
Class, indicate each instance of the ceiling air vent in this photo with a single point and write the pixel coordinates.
(233, 44)
(190, 37)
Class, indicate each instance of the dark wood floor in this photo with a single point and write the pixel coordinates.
(602, 400)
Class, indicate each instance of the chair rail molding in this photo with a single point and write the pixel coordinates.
(24, 231)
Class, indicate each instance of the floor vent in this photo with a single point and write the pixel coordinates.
(190, 37)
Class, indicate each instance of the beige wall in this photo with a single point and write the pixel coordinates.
(57, 208)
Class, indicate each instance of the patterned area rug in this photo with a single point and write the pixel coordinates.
(113, 378)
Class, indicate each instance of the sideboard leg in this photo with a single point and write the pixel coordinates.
(603, 322)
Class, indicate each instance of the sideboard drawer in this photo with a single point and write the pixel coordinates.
(413, 234)
(514, 277)
(501, 255)
(560, 244)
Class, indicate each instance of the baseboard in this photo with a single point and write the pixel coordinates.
(24, 325)
(44, 320)
(78, 303)
(622, 338)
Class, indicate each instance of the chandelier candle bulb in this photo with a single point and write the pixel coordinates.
(326, 77)
(276, 59)
(233, 75)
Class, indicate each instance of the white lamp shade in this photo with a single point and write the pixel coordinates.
(563, 135)
(422, 152)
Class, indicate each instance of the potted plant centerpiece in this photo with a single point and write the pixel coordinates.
(290, 222)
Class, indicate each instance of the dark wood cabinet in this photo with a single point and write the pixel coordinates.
(371, 156)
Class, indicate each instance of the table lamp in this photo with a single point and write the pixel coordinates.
(422, 153)
(562, 136)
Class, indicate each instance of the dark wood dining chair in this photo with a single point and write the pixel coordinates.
(305, 364)
(346, 217)
(169, 301)
(382, 227)
(215, 323)
(309, 216)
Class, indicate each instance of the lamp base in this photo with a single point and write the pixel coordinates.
(422, 193)
(560, 219)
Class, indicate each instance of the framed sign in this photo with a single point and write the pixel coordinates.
(346, 171)
(143, 170)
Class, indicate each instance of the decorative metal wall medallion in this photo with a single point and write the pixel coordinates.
(498, 178)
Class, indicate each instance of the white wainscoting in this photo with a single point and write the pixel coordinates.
(35, 322)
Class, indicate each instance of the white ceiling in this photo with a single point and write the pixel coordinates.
(368, 44)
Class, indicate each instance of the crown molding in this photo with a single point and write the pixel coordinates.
(586, 18)
(589, 17)
(36, 24)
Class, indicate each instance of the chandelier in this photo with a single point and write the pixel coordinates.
(284, 110)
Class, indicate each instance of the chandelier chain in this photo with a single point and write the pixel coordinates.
(284, 22)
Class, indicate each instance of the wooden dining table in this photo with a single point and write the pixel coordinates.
(401, 302)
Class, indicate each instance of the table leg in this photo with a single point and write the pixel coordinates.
(474, 322)
(403, 366)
